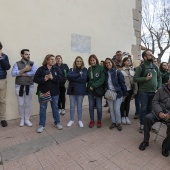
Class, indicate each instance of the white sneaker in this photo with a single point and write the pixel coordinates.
(128, 121)
(123, 120)
(80, 123)
(70, 123)
(59, 111)
(21, 123)
(28, 123)
(63, 111)
(59, 126)
(40, 129)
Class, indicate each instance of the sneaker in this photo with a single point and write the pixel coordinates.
(28, 123)
(112, 126)
(128, 121)
(63, 111)
(21, 123)
(143, 145)
(99, 124)
(119, 127)
(59, 111)
(165, 152)
(40, 129)
(136, 117)
(70, 123)
(80, 123)
(91, 124)
(4, 123)
(59, 126)
(141, 129)
(123, 120)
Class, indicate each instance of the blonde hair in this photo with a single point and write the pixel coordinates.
(74, 63)
(47, 58)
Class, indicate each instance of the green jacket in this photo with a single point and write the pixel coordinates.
(165, 75)
(148, 85)
(96, 77)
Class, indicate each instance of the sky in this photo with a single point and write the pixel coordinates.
(155, 8)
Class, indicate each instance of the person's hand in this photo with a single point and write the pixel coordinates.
(24, 74)
(162, 115)
(124, 97)
(27, 68)
(91, 88)
(167, 117)
(50, 76)
(46, 77)
(149, 76)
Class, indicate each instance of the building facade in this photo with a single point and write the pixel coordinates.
(69, 28)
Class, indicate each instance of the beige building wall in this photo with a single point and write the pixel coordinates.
(47, 26)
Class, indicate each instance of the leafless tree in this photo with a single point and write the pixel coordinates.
(156, 25)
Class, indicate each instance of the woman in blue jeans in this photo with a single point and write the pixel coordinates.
(77, 77)
(96, 79)
(114, 80)
(48, 77)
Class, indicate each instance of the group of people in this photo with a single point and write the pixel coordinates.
(115, 78)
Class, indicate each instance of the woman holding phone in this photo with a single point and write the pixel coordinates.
(48, 77)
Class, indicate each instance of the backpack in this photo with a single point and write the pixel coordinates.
(143, 69)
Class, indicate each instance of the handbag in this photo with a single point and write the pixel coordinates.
(111, 95)
(98, 92)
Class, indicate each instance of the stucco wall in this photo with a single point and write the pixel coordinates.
(46, 26)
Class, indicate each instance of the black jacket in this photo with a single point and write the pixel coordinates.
(49, 85)
(64, 69)
(4, 65)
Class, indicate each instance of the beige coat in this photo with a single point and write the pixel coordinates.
(128, 75)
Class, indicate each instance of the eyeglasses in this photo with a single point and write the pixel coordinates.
(26, 54)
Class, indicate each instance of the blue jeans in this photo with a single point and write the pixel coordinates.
(76, 99)
(115, 110)
(54, 107)
(92, 100)
(137, 104)
(145, 99)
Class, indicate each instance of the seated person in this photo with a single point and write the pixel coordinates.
(160, 113)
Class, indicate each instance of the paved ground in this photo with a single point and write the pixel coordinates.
(75, 148)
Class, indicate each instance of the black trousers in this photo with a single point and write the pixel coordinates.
(150, 119)
(62, 98)
(125, 106)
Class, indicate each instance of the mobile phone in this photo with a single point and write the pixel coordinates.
(149, 72)
(47, 72)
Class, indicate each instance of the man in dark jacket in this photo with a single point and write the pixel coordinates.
(160, 113)
(4, 66)
(118, 59)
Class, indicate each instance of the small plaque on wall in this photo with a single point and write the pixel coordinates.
(80, 43)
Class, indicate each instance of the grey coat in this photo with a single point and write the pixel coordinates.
(161, 101)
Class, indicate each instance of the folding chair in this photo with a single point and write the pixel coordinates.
(159, 130)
